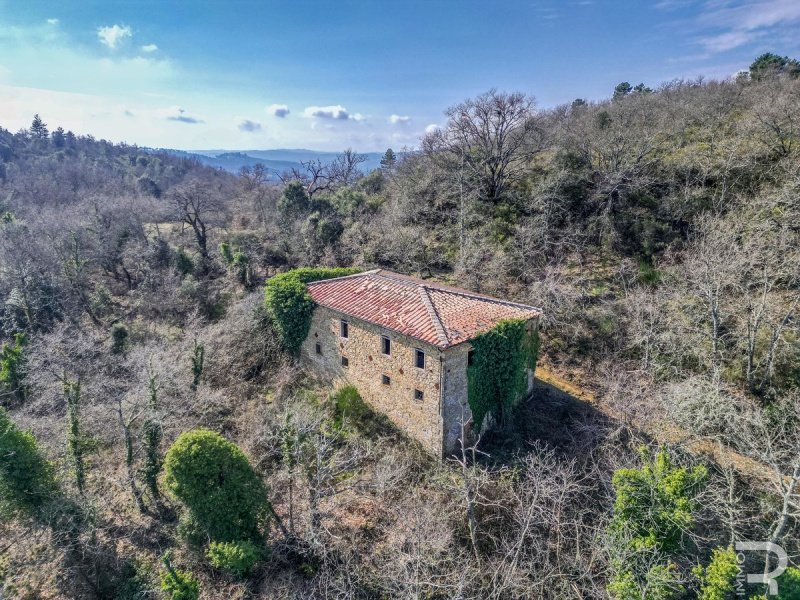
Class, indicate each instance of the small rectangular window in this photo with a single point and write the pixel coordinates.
(385, 379)
(418, 395)
(318, 348)
(344, 329)
(470, 358)
(386, 345)
(419, 358)
(345, 362)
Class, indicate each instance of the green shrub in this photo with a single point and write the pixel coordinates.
(226, 253)
(214, 480)
(648, 273)
(655, 504)
(718, 579)
(240, 265)
(290, 305)
(178, 585)
(183, 262)
(497, 377)
(27, 481)
(294, 200)
(789, 584)
(119, 338)
(348, 404)
(654, 507)
(237, 558)
(12, 367)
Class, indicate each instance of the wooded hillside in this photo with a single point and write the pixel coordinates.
(659, 231)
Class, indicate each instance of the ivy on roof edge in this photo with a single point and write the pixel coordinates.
(289, 304)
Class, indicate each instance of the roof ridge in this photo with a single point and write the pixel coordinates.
(441, 332)
(467, 294)
(351, 276)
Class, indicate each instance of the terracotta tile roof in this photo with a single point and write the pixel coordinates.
(438, 314)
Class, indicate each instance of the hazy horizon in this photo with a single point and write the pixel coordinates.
(355, 74)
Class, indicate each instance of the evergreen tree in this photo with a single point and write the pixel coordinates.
(772, 65)
(152, 435)
(389, 160)
(198, 358)
(622, 89)
(39, 128)
(58, 137)
(12, 368)
(75, 443)
(27, 480)
(294, 200)
(212, 477)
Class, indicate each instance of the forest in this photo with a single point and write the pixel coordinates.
(158, 441)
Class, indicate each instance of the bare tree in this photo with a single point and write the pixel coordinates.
(490, 137)
(344, 169)
(198, 204)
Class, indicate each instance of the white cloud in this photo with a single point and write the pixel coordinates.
(433, 127)
(337, 112)
(113, 35)
(249, 126)
(149, 48)
(728, 41)
(399, 120)
(52, 21)
(278, 110)
(729, 25)
(176, 113)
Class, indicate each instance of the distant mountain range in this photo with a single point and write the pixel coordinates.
(276, 161)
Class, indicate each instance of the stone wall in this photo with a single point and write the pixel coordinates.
(456, 414)
(420, 419)
(436, 420)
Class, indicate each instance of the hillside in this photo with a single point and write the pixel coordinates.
(276, 162)
(658, 232)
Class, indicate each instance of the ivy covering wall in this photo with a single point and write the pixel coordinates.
(290, 305)
(497, 376)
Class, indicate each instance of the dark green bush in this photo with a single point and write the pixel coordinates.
(214, 480)
(12, 368)
(119, 338)
(294, 200)
(27, 481)
(236, 558)
(183, 262)
(290, 305)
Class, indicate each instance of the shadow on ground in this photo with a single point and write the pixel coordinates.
(550, 415)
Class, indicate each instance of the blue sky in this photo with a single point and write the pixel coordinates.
(328, 75)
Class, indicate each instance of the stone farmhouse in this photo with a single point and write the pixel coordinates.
(404, 343)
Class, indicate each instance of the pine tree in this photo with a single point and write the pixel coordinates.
(389, 160)
(58, 137)
(39, 128)
(151, 438)
(75, 445)
(198, 356)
